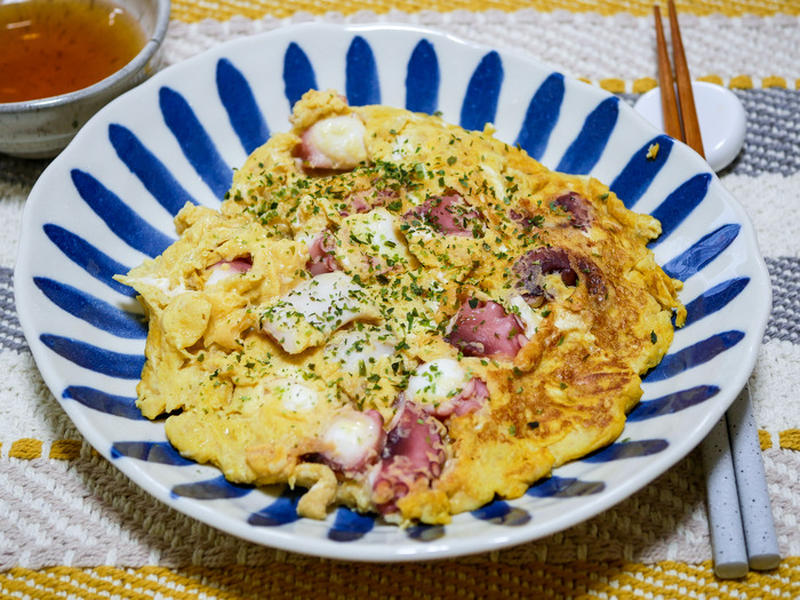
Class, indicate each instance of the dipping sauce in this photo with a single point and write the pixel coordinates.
(51, 47)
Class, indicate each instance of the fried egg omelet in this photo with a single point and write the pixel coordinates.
(400, 316)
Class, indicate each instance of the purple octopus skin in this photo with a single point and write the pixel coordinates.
(321, 255)
(572, 203)
(486, 329)
(414, 450)
(578, 208)
(532, 267)
(450, 215)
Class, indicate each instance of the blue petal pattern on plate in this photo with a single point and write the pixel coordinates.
(565, 487)
(363, 86)
(625, 449)
(542, 116)
(94, 358)
(298, 74)
(241, 106)
(350, 526)
(93, 310)
(696, 354)
(153, 174)
(671, 403)
(126, 223)
(585, 151)
(500, 512)
(425, 533)
(422, 79)
(118, 406)
(157, 452)
(95, 262)
(198, 147)
(280, 512)
(211, 489)
(702, 252)
(480, 102)
(56, 239)
(714, 299)
(640, 171)
(679, 204)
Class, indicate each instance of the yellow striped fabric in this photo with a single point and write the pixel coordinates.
(306, 577)
(790, 438)
(645, 84)
(26, 448)
(31, 448)
(191, 11)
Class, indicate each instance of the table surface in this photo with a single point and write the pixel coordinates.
(73, 526)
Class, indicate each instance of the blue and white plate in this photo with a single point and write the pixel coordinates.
(107, 202)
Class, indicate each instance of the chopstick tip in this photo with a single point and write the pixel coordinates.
(764, 562)
(731, 570)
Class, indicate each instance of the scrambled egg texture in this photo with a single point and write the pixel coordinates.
(400, 316)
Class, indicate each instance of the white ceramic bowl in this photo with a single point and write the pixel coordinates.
(41, 128)
(107, 202)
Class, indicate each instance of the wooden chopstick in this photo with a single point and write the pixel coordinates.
(669, 105)
(740, 517)
(691, 126)
(728, 545)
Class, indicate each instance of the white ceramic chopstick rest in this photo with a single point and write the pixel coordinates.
(721, 116)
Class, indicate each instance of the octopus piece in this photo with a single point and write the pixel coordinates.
(414, 455)
(365, 200)
(224, 269)
(354, 348)
(450, 215)
(353, 440)
(534, 265)
(525, 220)
(294, 395)
(308, 314)
(321, 252)
(358, 203)
(443, 387)
(371, 243)
(335, 143)
(576, 206)
(471, 398)
(486, 329)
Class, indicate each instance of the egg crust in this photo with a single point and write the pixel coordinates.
(253, 379)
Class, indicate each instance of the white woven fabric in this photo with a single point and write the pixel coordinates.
(12, 201)
(86, 513)
(768, 200)
(583, 45)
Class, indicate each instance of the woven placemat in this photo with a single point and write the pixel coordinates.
(190, 11)
(66, 511)
(445, 580)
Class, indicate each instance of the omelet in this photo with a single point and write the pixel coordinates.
(400, 316)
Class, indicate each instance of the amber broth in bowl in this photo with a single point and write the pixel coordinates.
(52, 47)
